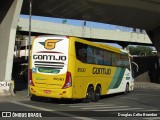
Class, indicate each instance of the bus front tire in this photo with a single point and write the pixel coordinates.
(127, 89)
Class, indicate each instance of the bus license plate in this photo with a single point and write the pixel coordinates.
(47, 91)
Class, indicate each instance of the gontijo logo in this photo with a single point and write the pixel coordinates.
(50, 43)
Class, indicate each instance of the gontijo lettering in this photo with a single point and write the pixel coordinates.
(103, 71)
(49, 57)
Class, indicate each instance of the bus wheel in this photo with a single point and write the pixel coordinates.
(127, 89)
(89, 95)
(97, 94)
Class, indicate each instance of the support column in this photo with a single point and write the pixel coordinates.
(155, 38)
(7, 41)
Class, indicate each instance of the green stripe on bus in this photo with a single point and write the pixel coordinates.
(120, 77)
(117, 78)
(114, 80)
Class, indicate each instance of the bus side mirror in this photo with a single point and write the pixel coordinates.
(137, 68)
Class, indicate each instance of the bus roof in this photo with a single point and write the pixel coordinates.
(100, 45)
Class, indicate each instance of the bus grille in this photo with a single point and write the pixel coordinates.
(45, 64)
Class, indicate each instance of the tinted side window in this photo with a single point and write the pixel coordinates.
(107, 58)
(81, 51)
(90, 54)
(93, 55)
